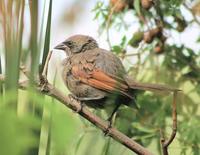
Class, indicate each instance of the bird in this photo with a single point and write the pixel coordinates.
(97, 76)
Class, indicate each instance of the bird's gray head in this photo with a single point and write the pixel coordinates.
(76, 44)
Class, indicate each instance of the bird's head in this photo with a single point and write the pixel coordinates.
(76, 44)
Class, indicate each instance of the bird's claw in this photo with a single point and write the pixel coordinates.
(72, 98)
(43, 83)
(106, 132)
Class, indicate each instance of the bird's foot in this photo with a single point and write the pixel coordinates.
(72, 98)
(106, 132)
(43, 84)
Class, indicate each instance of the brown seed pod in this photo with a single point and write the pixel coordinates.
(148, 37)
(146, 4)
(159, 48)
(156, 32)
(181, 24)
(151, 34)
(163, 38)
(119, 5)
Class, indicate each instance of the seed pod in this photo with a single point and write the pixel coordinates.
(148, 37)
(163, 38)
(151, 34)
(136, 39)
(146, 4)
(156, 32)
(159, 48)
(182, 24)
(119, 5)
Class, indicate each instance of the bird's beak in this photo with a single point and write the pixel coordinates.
(60, 46)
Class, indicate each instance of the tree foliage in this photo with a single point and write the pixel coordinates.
(156, 41)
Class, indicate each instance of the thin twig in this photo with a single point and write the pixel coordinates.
(129, 55)
(162, 141)
(166, 143)
(109, 21)
(174, 117)
(46, 66)
(75, 105)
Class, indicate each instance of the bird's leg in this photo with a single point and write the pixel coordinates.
(110, 118)
(43, 83)
(73, 97)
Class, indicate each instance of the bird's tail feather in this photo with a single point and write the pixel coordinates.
(151, 87)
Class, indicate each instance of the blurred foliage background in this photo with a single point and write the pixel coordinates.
(158, 42)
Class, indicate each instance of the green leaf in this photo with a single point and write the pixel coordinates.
(34, 7)
(1, 84)
(137, 6)
(47, 36)
(64, 129)
(79, 140)
(117, 49)
(142, 128)
(123, 42)
(136, 39)
(105, 150)
(16, 133)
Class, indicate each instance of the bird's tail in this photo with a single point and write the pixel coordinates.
(151, 87)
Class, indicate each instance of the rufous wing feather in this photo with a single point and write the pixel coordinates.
(98, 79)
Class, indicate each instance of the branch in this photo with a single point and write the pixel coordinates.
(166, 143)
(75, 105)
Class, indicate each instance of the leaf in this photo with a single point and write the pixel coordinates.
(105, 150)
(64, 129)
(123, 42)
(34, 7)
(98, 6)
(136, 39)
(97, 15)
(1, 84)
(79, 140)
(198, 40)
(47, 36)
(143, 128)
(117, 49)
(42, 26)
(13, 44)
(137, 6)
(16, 133)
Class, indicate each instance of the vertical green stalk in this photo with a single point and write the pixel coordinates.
(34, 69)
(45, 53)
(49, 141)
(12, 45)
(1, 84)
(41, 27)
(33, 39)
(21, 28)
(47, 35)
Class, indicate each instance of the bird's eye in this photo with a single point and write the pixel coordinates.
(69, 43)
(89, 40)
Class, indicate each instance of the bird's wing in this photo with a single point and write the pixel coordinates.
(98, 79)
(96, 73)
